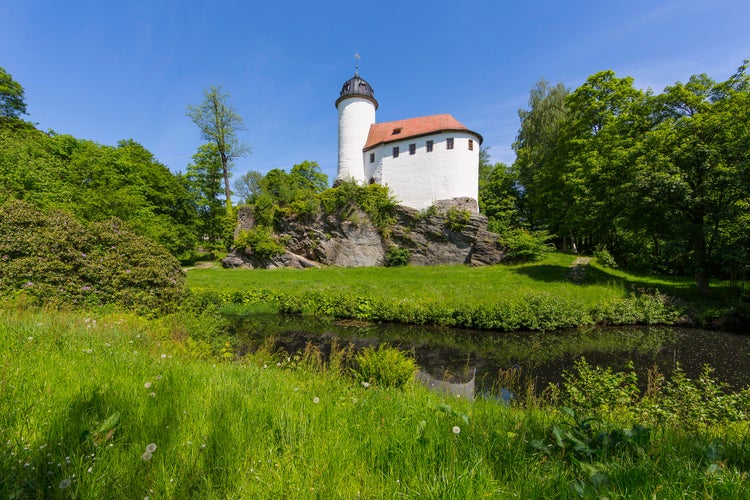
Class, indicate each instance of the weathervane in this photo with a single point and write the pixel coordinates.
(356, 64)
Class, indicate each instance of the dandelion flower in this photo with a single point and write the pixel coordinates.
(316, 400)
(151, 447)
(456, 429)
(65, 483)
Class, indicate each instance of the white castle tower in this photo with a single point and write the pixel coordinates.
(422, 160)
(356, 105)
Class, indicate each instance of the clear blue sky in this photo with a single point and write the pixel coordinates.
(107, 71)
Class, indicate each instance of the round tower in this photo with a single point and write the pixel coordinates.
(356, 105)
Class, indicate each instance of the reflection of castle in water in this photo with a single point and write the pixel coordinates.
(463, 390)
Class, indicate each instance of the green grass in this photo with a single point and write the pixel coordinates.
(81, 397)
(505, 297)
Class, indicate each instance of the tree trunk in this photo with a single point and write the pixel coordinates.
(225, 169)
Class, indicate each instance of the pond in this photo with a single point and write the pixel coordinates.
(492, 359)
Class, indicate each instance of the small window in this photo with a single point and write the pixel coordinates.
(429, 146)
(395, 152)
(396, 131)
(372, 157)
(412, 149)
(471, 145)
(449, 143)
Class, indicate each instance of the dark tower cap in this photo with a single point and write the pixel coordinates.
(357, 87)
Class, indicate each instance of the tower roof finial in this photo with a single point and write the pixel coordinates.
(356, 64)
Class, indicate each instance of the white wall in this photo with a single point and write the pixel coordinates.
(420, 179)
(356, 114)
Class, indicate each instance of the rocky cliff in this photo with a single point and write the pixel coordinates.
(440, 235)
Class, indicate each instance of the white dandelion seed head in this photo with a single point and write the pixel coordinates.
(163, 356)
(147, 385)
(365, 384)
(65, 483)
(151, 447)
(456, 429)
(146, 456)
(316, 400)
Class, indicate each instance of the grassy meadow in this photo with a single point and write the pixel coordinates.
(116, 406)
(535, 296)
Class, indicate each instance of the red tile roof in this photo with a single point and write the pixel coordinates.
(383, 133)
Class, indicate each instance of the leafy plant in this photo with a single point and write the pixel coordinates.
(261, 241)
(385, 366)
(526, 246)
(457, 219)
(396, 256)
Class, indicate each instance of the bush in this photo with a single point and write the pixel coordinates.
(457, 219)
(375, 200)
(604, 257)
(261, 241)
(385, 366)
(397, 257)
(56, 259)
(526, 246)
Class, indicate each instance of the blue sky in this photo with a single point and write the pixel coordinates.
(107, 71)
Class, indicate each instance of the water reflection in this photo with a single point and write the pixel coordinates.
(461, 357)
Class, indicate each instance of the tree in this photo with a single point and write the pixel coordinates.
(12, 103)
(219, 124)
(696, 163)
(204, 178)
(247, 186)
(540, 162)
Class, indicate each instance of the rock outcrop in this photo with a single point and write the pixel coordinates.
(437, 236)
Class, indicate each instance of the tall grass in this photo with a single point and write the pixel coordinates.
(82, 398)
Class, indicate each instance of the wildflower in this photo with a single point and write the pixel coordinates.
(316, 400)
(365, 384)
(158, 377)
(163, 356)
(152, 394)
(147, 385)
(30, 339)
(265, 366)
(90, 470)
(151, 447)
(65, 483)
(28, 284)
(456, 429)
(146, 456)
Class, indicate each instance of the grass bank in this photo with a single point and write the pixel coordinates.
(120, 407)
(533, 296)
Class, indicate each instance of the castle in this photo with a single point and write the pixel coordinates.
(422, 160)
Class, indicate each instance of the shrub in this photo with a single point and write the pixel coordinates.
(526, 246)
(261, 241)
(385, 366)
(56, 259)
(604, 257)
(396, 257)
(457, 219)
(375, 200)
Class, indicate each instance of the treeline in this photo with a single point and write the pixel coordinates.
(646, 181)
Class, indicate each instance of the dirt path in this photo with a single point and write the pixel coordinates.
(578, 269)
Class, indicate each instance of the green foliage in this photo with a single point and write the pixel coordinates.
(457, 219)
(523, 245)
(260, 241)
(12, 104)
(97, 182)
(605, 258)
(396, 256)
(56, 259)
(605, 393)
(385, 366)
(375, 200)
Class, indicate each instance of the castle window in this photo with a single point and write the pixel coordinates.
(429, 146)
(395, 152)
(471, 145)
(396, 131)
(372, 157)
(449, 143)
(412, 149)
